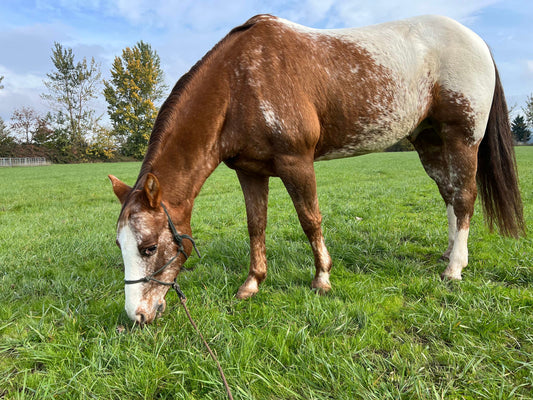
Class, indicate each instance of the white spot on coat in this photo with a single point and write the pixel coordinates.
(271, 119)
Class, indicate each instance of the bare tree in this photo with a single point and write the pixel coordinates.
(25, 122)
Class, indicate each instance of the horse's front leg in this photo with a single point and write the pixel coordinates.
(299, 178)
(255, 189)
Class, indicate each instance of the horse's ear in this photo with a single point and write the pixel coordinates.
(120, 188)
(152, 190)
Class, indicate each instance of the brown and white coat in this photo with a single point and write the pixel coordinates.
(273, 97)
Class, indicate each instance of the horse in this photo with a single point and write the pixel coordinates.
(272, 97)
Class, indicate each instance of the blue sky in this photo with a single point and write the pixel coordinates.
(182, 31)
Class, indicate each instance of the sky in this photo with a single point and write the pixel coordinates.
(182, 31)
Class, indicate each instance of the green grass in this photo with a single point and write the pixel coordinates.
(389, 329)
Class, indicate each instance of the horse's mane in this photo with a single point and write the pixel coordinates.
(165, 117)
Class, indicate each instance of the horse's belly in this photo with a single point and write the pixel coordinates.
(365, 119)
(363, 138)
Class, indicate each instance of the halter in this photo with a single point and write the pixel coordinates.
(178, 238)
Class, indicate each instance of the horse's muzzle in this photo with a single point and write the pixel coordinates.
(143, 317)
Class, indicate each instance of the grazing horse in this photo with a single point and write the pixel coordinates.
(273, 97)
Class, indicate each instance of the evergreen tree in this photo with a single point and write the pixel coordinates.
(136, 84)
(71, 87)
(520, 130)
(43, 134)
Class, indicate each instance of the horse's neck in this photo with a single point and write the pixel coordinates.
(188, 154)
(182, 173)
(187, 150)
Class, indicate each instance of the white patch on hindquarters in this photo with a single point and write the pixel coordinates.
(134, 268)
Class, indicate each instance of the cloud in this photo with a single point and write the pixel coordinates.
(182, 31)
(27, 48)
(20, 89)
(213, 15)
(529, 66)
(26, 52)
(337, 14)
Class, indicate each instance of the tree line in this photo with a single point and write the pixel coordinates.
(522, 124)
(71, 131)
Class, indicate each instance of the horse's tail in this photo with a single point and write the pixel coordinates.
(497, 176)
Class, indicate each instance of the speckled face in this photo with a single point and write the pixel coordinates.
(146, 242)
(146, 246)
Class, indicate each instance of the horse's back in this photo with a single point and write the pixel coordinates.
(453, 55)
(351, 91)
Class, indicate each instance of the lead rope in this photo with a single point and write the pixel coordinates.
(183, 300)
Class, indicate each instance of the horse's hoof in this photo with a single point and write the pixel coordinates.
(320, 286)
(321, 291)
(450, 276)
(245, 294)
(246, 291)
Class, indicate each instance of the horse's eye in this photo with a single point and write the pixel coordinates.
(149, 251)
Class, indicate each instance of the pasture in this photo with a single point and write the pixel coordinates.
(389, 329)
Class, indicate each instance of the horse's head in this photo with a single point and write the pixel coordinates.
(152, 255)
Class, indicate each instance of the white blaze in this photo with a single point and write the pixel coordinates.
(133, 269)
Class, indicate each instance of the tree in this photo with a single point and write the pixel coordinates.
(103, 144)
(43, 134)
(528, 111)
(71, 87)
(1, 79)
(7, 142)
(136, 84)
(24, 123)
(521, 133)
(3, 128)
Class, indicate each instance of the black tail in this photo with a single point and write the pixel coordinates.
(497, 176)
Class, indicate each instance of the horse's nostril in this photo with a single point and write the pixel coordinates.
(140, 318)
(161, 307)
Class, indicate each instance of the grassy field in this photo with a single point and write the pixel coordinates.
(389, 329)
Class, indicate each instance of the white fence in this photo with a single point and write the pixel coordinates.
(23, 162)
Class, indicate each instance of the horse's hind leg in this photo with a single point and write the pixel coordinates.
(462, 171)
(430, 148)
(452, 163)
(299, 179)
(255, 189)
